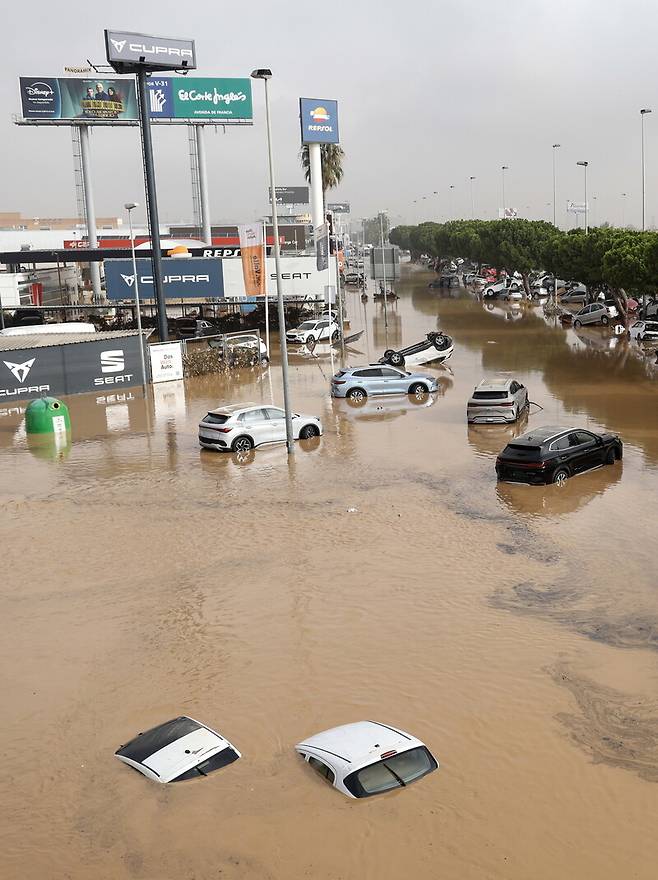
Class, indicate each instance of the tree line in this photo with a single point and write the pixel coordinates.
(623, 261)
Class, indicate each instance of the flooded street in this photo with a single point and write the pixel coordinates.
(380, 574)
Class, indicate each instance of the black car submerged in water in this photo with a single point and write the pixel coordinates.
(553, 454)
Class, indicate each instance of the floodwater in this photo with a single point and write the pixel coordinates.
(380, 573)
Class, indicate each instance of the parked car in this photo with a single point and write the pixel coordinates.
(310, 332)
(354, 278)
(642, 330)
(553, 454)
(27, 317)
(498, 287)
(575, 295)
(367, 758)
(242, 427)
(496, 401)
(611, 306)
(436, 347)
(357, 383)
(177, 750)
(651, 311)
(596, 313)
(510, 294)
(249, 342)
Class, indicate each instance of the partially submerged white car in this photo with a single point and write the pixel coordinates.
(178, 749)
(367, 758)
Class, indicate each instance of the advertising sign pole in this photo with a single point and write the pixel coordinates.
(267, 299)
(152, 204)
(89, 209)
(206, 233)
(130, 206)
(317, 207)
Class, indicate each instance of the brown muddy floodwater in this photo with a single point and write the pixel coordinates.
(513, 629)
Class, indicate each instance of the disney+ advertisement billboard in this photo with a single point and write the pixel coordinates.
(69, 98)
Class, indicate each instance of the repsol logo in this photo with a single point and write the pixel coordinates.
(27, 389)
(320, 128)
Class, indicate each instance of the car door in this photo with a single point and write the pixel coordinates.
(584, 450)
(256, 423)
(277, 423)
(585, 315)
(393, 381)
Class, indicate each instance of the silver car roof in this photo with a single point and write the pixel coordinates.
(234, 408)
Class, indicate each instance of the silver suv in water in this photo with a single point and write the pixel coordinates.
(496, 401)
(357, 383)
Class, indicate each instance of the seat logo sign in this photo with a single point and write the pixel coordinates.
(20, 371)
(112, 361)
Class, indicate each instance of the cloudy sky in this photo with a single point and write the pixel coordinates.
(430, 94)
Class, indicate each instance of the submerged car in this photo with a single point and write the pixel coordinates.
(642, 330)
(596, 313)
(310, 332)
(510, 284)
(367, 758)
(436, 347)
(552, 454)
(357, 383)
(241, 428)
(497, 401)
(177, 750)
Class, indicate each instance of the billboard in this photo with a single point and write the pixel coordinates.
(80, 98)
(319, 121)
(183, 278)
(385, 263)
(289, 195)
(577, 207)
(71, 368)
(128, 52)
(339, 208)
(200, 98)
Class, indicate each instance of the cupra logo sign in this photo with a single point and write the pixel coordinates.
(319, 115)
(20, 371)
(118, 44)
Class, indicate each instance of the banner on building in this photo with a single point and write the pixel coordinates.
(166, 361)
(319, 121)
(200, 98)
(183, 278)
(252, 248)
(290, 195)
(84, 99)
(321, 247)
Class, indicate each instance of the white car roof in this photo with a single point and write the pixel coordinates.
(234, 408)
(494, 384)
(359, 744)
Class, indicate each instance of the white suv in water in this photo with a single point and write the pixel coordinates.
(240, 428)
(496, 401)
(310, 332)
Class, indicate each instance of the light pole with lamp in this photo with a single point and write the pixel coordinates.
(623, 210)
(503, 169)
(472, 199)
(130, 207)
(555, 147)
(643, 113)
(452, 186)
(266, 74)
(584, 166)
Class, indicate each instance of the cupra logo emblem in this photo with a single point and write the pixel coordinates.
(129, 279)
(20, 371)
(319, 115)
(118, 44)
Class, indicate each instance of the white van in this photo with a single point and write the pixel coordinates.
(42, 329)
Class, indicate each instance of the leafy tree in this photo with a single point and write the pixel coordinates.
(332, 156)
(373, 227)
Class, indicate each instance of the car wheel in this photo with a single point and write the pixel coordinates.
(605, 320)
(560, 476)
(418, 388)
(396, 359)
(310, 340)
(334, 336)
(514, 288)
(610, 457)
(309, 431)
(577, 324)
(242, 444)
(264, 361)
(358, 395)
(388, 353)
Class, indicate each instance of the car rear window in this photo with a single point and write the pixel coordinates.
(489, 395)
(215, 419)
(215, 762)
(146, 744)
(394, 772)
(522, 452)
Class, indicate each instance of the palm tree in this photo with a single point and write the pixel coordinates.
(332, 166)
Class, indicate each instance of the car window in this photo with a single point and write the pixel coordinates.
(584, 437)
(577, 438)
(514, 387)
(215, 419)
(371, 372)
(387, 373)
(322, 325)
(252, 417)
(215, 762)
(273, 413)
(560, 443)
(322, 769)
(307, 325)
(394, 772)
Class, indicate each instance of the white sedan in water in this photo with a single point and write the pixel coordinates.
(240, 428)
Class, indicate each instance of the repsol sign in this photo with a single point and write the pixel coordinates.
(184, 277)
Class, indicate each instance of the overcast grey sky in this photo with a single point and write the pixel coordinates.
(430, 94)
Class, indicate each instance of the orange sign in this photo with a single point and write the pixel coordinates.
(252, 251)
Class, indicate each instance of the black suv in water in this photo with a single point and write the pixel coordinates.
(552, 455)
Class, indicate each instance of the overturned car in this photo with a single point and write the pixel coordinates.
(435, 348)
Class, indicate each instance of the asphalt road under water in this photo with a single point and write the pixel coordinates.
(513, 629)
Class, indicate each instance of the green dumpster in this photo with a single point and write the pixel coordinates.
(47, 415)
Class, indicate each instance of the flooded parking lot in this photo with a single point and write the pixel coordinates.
(381, 573)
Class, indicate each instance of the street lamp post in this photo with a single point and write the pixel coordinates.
(503, 169)
(265, 74)
(130, 207)
(451, 187)
(584, 166)
(643, 113)
(472, 199)
(623, 210)
(555, 147)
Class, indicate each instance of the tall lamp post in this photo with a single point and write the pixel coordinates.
(451, 187)
(265, 74)
(503, 169)
(472, 199)
(643, 113)
(555, 147)
(623, 210)
(130, 207)
(584, 166)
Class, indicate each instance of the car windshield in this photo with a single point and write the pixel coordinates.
(307, 325)
(489, 395)
(215, 419)
(394, 772)
(521, 451)
(215, 762)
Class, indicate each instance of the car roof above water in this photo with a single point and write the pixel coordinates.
(234, 408)
(362, 742)
(538, 436)
(494, 383)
